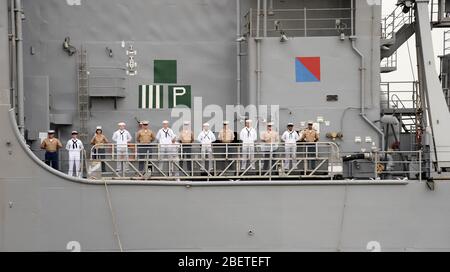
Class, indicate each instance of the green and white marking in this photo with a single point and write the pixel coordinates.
(151, 96)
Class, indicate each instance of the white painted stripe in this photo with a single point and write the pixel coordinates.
(158, 101)
(150, 96)
(150, 92)
(144, 96)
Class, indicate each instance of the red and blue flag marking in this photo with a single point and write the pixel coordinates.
(307, 69)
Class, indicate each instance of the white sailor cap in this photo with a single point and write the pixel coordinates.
(165, 122)
(186, 123)
(121, 124)
(270, 124)
(290, 124)
(248, 121)
(74, 132)
(206, 125)
(99, 128)
(226, 122)
(310, 123)
(145, 122)
(51, 132)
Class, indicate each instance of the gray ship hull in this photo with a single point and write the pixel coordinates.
(41, 210)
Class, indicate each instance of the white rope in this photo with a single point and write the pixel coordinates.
(410, 62)
(115, 228)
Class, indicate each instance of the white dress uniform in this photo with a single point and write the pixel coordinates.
(74, 146)
(122, 138)
(248, 137)
(290, 139)
(206, 138)
(167, 149)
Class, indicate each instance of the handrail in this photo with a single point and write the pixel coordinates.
(394, 21)
(446, 47)
(400, 89)
(398, 100)
(390, 62)
(226, 164)
(278, 165)
(389, 27)
(435, 14)
(298, 16)
(313, 9)
(189, 183)
(235, 160)
(273, 147)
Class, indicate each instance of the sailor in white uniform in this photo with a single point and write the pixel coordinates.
(290, 138)
(206, 138)
(122, 137)
(167, 145)
(74, 146)
(248, 137)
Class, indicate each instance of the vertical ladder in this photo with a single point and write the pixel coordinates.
(83, 95)
(419, 118)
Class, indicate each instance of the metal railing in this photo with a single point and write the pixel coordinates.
(299, 22)
(392, 93)
(388, 165)
(64, 163)
(408, 121)
(215, 161)
(438, 14)
(434, 11)
(390, 25)
(228, 162)
(394, 21)
(446, 43)
(389, 63)
(402, 98)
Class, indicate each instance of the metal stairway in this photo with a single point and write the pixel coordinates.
(396, 29)
(83, 95)
(406, 116)
(403, 100)
(400, 37)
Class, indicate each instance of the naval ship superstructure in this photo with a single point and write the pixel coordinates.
(376, 180)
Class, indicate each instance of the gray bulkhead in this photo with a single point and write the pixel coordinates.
(201, 36)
